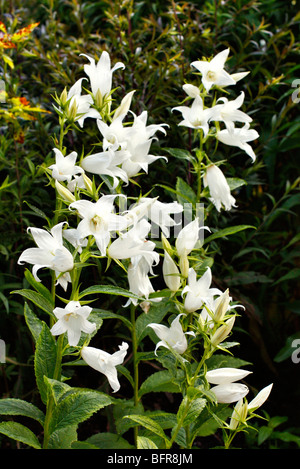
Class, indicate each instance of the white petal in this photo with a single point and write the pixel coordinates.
(226, 375)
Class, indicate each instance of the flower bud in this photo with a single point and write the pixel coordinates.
(222, 306)
(63, 97)
(239, 414)
(64, 192)
(261, 397)
(222, 332)
(171, 273)
(184, 265)
(124, 106)
(88, 183)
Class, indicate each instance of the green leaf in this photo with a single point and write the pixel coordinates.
(109, 315)
(145, 443)
(288, 349)
(226, 232)
(155, 314)
(63, 438)
(148, 423)
(19, 432)
(38, 299)
(181, 154)
(77, 407)
(189, 411)
(234, 183)
(45, 360)
(11, 406)
(108, 290)
(293, 273)
(185, 194)
(161, 381)
(35, 325)
(57, 388)
(208, 423)
(38, 286)
(108, 441)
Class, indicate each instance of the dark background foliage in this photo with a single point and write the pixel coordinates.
(157, 41)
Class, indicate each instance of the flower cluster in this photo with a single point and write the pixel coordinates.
(207, 119)
(105, 226)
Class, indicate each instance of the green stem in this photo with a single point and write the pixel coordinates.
(135, 366)
(51, 402)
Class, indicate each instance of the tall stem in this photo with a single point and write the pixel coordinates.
(135, 366)
(51, 403)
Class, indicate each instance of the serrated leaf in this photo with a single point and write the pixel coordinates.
(148, 423)
(185, 194)
(188, 412)
(44, 360)
(145, 443)
(109, 315)
(161, 381)
(155, 314)
(11, 406)
(77, 407)
(63, 438)
(38, 286)
(35, 325)
(56, 388)
(19, 432)
(181, 154)
(208, 423)
(108, 290)
(108, 441)
(37, 298)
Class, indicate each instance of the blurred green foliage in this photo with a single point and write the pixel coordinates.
(157, 41)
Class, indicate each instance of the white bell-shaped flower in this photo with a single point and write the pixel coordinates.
(73, 320)
(106, 363)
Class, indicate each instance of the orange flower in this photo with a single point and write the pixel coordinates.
(7, 41)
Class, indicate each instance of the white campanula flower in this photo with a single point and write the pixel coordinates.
(226, 389)
(106, 363)
(107, 163)
(171, 337)
(114, 135)
(229, 111)
(124, 106)
(213, 72)
(73, 237)
(196, 116)
(219, 189)
(73, 320)
(239, 137)
(50, 252)
(198, 292)
(64, 167)
(98, 220)
(188, 237)
(139, 281)
(229, 392)
(260, 398)
(191, 90)
(134, 140)
(215, 309)
(100, 74)
(226, 375)
(171, 273)
(155, 211)
(138, 142)
(133, 245)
